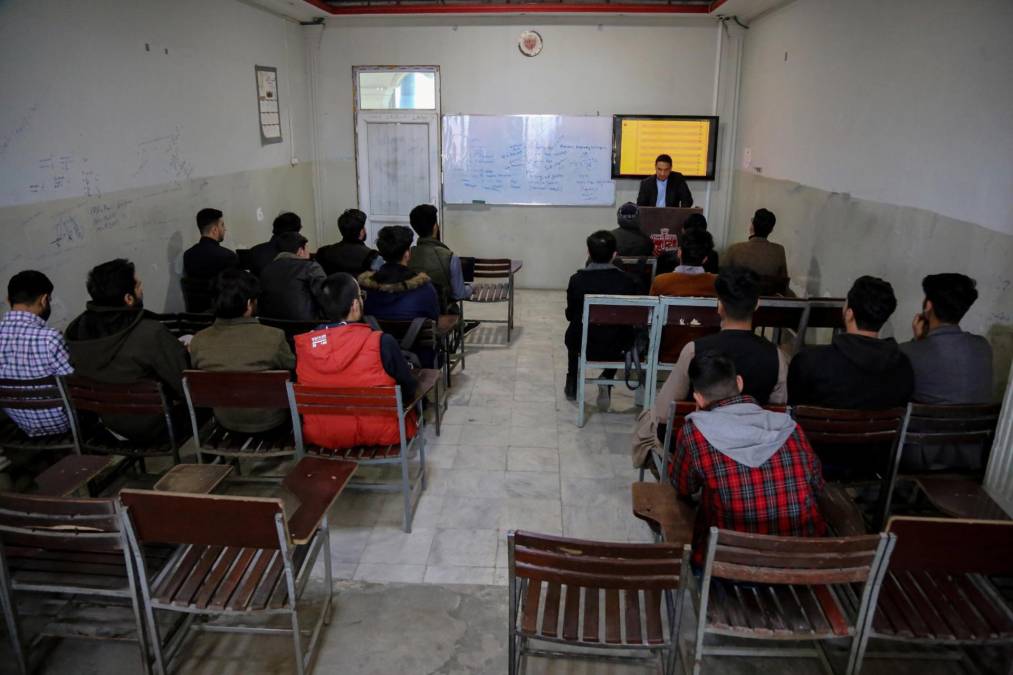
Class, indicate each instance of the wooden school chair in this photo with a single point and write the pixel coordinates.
(238, 557)
(591, 595)
(245, 390)
(68, 547)
(798, 589)
(500, 287)
(39, 394)
(680, 321)
(641, 268)
(938, 590)
(375, 402)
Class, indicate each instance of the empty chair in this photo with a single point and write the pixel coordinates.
(239, 557)
(857, 445)
(797, 589)
(63, 546)
(948, 434)
(499, 288)
(597, 596)
(250, 391)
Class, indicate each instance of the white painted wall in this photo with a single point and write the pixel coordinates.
(906, 102)
(588, 66)
(78, 84)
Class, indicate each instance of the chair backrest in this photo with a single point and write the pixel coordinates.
(425, 338)
(492, 268)
(595, 564)
(316, 400)
(185, 323)
(291, 327)
(807, 561)
(780, 313)
(826, 313)
(59, 524)
(684, 320)
(233, 389)
(952, 546)
(205, 520)
(851, 428)
(641, 268)
(773, 285)
(198, 295)
(144, 397)
(39, 394)
(619, 310)
(932, 424)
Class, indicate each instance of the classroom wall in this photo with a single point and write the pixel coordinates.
(589, 65)
(883, 141)
(122, 118)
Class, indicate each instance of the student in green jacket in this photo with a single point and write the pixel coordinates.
(432, 256)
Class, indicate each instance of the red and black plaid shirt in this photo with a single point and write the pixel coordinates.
(778, 497)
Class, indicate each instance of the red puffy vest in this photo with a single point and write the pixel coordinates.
(346, 356)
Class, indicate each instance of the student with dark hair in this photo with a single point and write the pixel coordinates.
(236, 341)
(350, 255)
(630, 239)
(951, 366)
(115, 340)
(689, 278)
(665, 187)
(436, 260)
(206, 258)
(31, 350)
(857, 370)
(604, 343)
(749, 469)
(348, 353)
(763, 257)
(667, 262)
(291, 284)
(394, 291)
(262, 255)
(697, 221)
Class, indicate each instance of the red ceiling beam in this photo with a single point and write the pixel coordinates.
(518, 8)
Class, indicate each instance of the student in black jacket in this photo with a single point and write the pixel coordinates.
(600, 276)
(205, 259)
(350, 255)
(858, 370)
(264, 254)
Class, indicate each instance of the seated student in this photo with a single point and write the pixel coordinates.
(697, 221)
(857, 370)
(604, 343)
(434, 258)
(630, 239)
(237, 341)
(754, 469)
(395, 292)
(689, 278)
(762, 366)
(206, 258)
(951, 366)
(262, 255)
(350, 255)
(291, 284)
(116, 341)
(763, 257)
(30, 350)
(348, 353)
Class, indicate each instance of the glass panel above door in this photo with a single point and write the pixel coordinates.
(397, 90)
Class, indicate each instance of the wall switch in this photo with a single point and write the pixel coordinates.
(260, 214)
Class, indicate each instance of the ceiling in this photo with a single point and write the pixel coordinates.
(311, 10)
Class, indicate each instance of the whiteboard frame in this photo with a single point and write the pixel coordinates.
(443, 173)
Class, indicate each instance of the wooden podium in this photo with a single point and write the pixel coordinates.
(664, 225)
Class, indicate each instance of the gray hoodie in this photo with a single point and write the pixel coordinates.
(744, 432)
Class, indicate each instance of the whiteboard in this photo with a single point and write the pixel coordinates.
(528, 159)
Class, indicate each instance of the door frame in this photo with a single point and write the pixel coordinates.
(362, 117)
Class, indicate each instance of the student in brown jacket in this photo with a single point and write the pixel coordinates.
(237, 341)
(689, 278)
(763, 257)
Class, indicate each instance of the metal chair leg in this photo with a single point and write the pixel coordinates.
(406, 491)
(10, 617)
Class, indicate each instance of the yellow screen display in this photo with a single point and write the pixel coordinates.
(687, 141)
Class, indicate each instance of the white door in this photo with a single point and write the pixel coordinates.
(397, 143)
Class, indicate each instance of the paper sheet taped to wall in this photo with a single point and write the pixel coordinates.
(637, 141)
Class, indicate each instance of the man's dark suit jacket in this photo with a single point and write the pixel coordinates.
(676, 191)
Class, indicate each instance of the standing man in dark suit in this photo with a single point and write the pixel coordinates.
(665, 187)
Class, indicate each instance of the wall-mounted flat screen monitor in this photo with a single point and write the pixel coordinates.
(690, 140)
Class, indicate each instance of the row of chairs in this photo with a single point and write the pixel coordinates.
(250, 390)
(870, 442)
(669, 323)
(645, 268)
(190, 555)
(923, 582)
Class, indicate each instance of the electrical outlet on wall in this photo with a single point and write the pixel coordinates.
(260, 214)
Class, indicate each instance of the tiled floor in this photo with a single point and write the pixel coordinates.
(509, 457)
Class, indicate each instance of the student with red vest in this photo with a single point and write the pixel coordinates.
(349, 353)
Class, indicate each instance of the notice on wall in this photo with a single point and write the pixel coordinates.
(267, 104)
